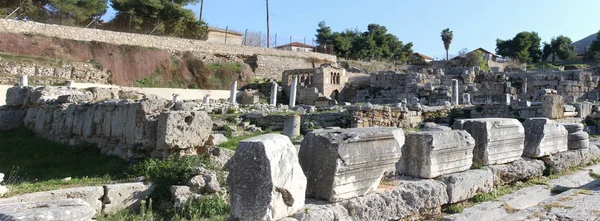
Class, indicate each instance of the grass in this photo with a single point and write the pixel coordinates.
(33, 164)
(233, 142)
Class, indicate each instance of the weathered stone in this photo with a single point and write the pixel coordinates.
(497, 140)
(15, 96)
(266, 181)
(345, 163)
(435, 153)
(124, 196)
(579, 140)
(291, 126)
(75, 98)
(430, 126)
(91, 195)
(44, 95)
(519, 170)
(181, 194)
(563, 161)
(204, 182)
(544, 137)
(55, 210)
(406, 197)
(216, 139)
(553, 106)
(465, 185)
(183, 129)
(11, 119)
(573, 127)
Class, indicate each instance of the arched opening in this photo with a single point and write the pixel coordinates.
(335, 95)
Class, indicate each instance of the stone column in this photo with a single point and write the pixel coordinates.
(24, 81)
(291, 126)
(293, 91)
(454, 92)
(233, 93)
(508, 99)
(206, 100)
(524, 89)
(466, 98)
(273, 100)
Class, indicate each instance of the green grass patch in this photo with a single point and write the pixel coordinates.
(232, 143)
(454, 208)
(31, 164)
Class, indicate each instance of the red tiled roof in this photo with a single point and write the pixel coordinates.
(295, 44)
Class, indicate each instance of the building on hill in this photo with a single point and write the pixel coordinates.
(296, 46)
(325, 82)
(222, 36)
(417, 56)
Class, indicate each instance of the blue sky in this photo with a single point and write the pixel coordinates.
(475, 23)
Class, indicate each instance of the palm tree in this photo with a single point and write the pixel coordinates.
(447, 39)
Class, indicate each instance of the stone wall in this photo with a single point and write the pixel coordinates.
(51, 73)
(169, 43)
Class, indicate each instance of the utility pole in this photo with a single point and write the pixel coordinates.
(268, 30)
(201, 8)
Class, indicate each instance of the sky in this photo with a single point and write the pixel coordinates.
(475, 23)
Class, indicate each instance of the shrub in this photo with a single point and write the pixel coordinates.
(454, 208)
(205, 207)
(172, 170)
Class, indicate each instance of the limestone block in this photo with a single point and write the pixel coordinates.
(497, 140)
(520, 170)
(544, 137)
(15, 96)
(434, 153)
(43, 95)
(578, 140)
(63, 210)
(465, 185)
(182, 129)
(75, 98)
(265, 179)
(11, 119)
(291, 126)
(345, 163)
(125, 196)
(553, 106)
(90, 194)
(563, 161)
(430, 126)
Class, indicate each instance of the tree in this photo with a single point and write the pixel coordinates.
(562, 48)
(525, 47)
(167, 16)
(546, 51)
(447, 36)
(324, 35)
(595, 46)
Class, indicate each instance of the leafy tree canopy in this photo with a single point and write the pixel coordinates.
(562, 48)
(56, 11)
(166, 16)
(525, 47)
(375, 43)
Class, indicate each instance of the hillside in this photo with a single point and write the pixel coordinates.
(584, 44)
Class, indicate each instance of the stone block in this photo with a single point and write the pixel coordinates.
(265, 179)
(465, 185)
(578, 140)
(561, 162)
(15, 96)
(291, 126)
(55, 210)
(11, 119)
(553, 106)
(182, 130)
(92, 195)
(345, 163)
(216, 139)
(544, 137)
(434, 153)
(520, 170)
(497, 140)
(125, 196)
(75, 98)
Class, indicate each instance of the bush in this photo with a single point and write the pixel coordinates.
(205, 207)
(454, 208)
(172, 170)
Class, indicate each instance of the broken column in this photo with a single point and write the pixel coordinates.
(454, 92)
(293, 91)
(291, 125)
(577, 139)
(273, 101)
(233, 94)
(176, 98)
(434, 153)
(265, 179)
(206, 100)
(497, 140)
(24, 81)
(345, 163)
(544, 137)
(508, 99)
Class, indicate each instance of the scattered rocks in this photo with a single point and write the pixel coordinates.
(181, 194)
(544, 137)
(216, 139)
(465, 185)
(204, 182)
(563, 161)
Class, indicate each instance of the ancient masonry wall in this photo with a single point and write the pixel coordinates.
(274, 61)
